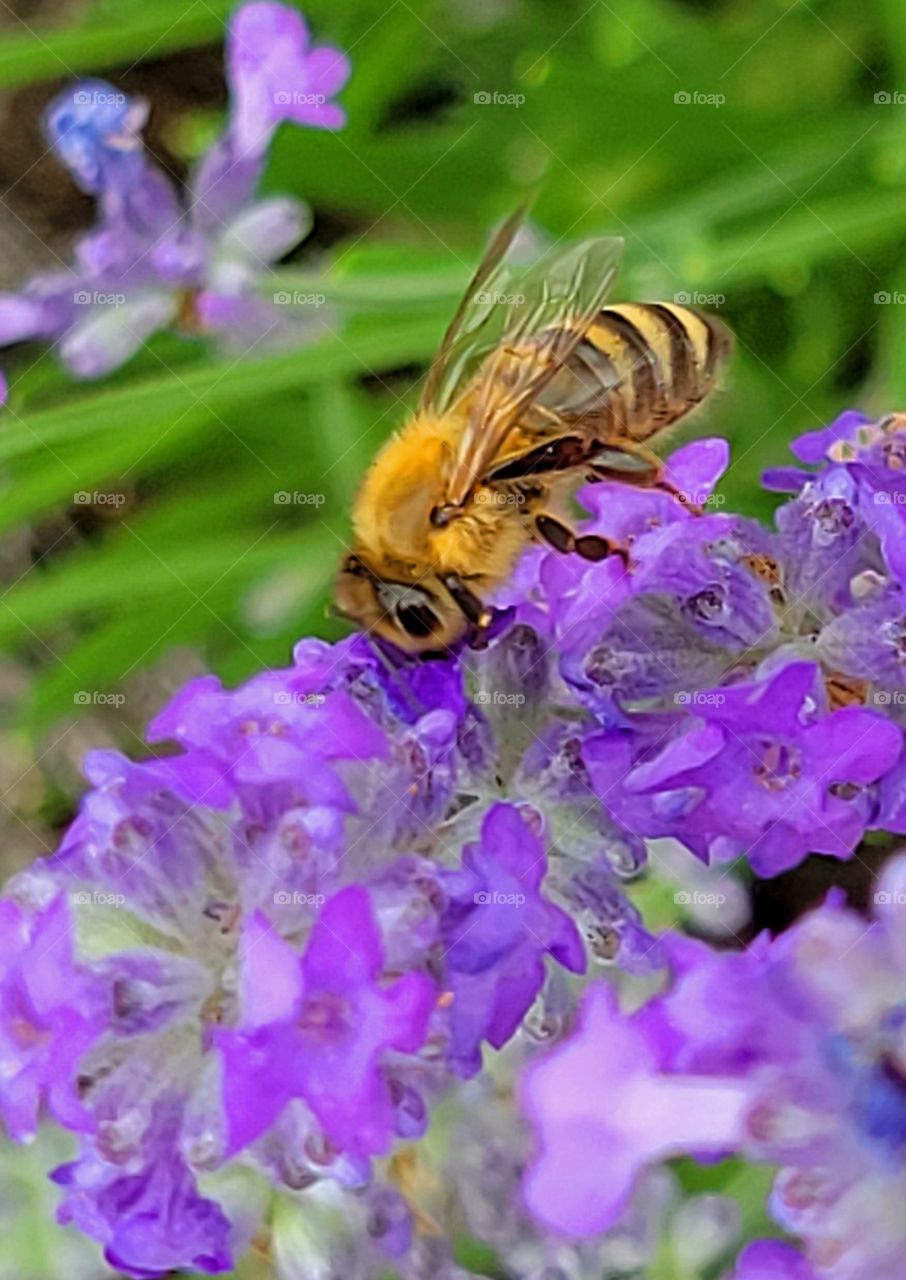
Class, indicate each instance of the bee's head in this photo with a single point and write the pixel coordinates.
(413, 616)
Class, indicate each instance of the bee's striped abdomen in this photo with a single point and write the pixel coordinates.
(658, 360)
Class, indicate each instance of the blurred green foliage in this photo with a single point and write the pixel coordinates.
(742, 147)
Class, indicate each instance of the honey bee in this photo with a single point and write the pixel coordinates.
(537, 386)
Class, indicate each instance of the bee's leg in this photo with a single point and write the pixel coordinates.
(590, 546)
(636, 465)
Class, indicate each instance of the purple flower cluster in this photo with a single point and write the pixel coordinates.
(189, 260)
(791, 1053)
(257, 964)
(363, 891)
(294, 933)
(747, 683)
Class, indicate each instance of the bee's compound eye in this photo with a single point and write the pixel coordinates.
(417, 620)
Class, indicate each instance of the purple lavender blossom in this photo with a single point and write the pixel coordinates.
(95, 131)
(50, 1013)
(772, 1260)
(497, 929)
(276, 75)
(759, 772)
(317, 1029)
(143, 1205)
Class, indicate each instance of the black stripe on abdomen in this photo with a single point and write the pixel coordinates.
(683, 370)
(644, 375)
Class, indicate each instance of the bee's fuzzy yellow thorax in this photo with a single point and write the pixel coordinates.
(403, 485)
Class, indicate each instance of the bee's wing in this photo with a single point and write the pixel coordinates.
(554, 304)
(462, 342)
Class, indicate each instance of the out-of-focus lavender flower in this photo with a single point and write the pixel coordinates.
(193, 261)
(50, 1013)
(95, 131)
(276, 75)
(804, 1036)
(772, 1260)
(603, 1108)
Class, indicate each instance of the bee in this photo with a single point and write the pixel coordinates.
(537, 386)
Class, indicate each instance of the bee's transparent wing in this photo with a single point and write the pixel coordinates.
(524, 340)
(461, 342)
